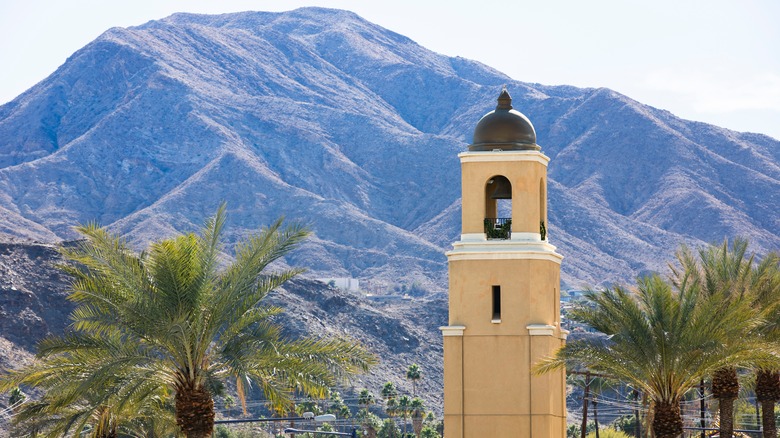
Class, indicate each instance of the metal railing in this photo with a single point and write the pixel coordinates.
(498, 227)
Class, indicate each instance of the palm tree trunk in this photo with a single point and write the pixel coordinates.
(667, 419)
(195, 411)
(768, 392)
(726, 408)
(725, 388)
(768, 419)
(417, 423)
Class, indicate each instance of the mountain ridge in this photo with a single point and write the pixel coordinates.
(328, 119)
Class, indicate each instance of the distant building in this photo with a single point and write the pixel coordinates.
(345, 283)
(504, 293)
(573, 295)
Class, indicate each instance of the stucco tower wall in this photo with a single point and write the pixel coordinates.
(489, 388)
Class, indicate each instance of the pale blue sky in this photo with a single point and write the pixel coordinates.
(716, 61)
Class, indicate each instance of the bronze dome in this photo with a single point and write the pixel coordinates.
(505, 129)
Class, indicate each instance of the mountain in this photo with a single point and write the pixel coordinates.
(33, 304)
(328, 119)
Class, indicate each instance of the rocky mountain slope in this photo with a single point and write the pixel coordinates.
(33, 304)
(325, 118)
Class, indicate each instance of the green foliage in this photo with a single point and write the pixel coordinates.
(414, 374)
(338, 407)
(626, 423)
(16, 396)
(429, 431)
(745, 415)
(228, 401)
(498, 232)
(389, 429)
(730, 274)
(542, 230)
(391, 407)
(369, 420)
(169, 324)
(661, 341)
(403, 409)
(366, 398)
(222, 431)
(573, 431)
(608, 433)
(308, 406)
(389, 391)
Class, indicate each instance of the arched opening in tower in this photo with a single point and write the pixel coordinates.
(498, 208)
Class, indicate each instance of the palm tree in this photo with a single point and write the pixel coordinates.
(391, 408)
(371, 424)
(366, 399)
(730, 273)
(592, 387)
(766, 287)
(368, 420)
(661, 341)
(414, 375)
(171, 318)
(338, 407)
(404, 404)
(66, 408)
(417, 411)
(389, 391)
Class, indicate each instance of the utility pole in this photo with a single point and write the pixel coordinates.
(586, 394)
(702, 409)
(638, 429)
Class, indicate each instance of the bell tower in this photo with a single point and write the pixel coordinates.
(504, 290)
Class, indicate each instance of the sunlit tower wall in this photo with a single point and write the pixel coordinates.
(504, 290)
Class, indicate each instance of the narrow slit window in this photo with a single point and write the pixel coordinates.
(496, 303)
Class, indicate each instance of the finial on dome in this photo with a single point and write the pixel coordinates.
(504, 129)
(504, 100)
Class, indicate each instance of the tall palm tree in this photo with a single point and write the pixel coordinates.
(661, 341)
(171, 318)
(391, 408)
(404, 403)
(729, 272)
(414, 374)
(389, 393)
(417, 412)
(766, 287)
(366, 399)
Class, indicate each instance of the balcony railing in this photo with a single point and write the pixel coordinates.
(498, 227)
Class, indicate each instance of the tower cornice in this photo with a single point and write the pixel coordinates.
(503, 250)
(503, 156)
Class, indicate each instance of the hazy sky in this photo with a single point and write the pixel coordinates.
(716, 61)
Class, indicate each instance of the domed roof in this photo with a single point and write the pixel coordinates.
(504, 128)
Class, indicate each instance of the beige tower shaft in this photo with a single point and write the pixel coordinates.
(504, 296)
